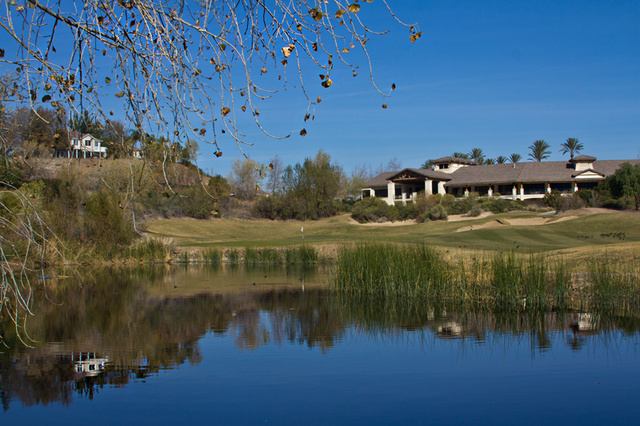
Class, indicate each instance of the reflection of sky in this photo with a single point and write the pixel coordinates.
(374, 377)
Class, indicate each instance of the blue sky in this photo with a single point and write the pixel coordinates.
(494, 74)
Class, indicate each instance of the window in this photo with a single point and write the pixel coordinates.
(587, 185)
(505, 189)
(561, 186)
(382, 193)
(534, 188)
(482, 190)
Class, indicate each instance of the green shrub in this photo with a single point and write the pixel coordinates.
(104, 222)
(290, 206)
(438, 212)
(406, 210)
(571, 202)
(553, 199)
(494, 205)
(196, 203)
(374, 210)
(475, 211)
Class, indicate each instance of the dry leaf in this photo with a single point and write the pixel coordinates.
(287, 50)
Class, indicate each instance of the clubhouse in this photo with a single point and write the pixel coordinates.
(513, 181)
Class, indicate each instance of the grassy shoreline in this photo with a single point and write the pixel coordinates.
(576, 239)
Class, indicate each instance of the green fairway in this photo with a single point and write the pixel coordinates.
(517, 230)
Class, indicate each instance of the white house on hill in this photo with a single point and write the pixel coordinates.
(519, 181)
(83, 146)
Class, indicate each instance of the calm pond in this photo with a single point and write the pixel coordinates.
(233, 345)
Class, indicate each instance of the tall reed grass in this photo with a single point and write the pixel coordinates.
(505, 281)
(300, 255)
(614, 288)
(392, 270)
(263, 256)
(150, 250)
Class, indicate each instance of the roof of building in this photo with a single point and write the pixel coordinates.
(530, 172)
(458, 160)
(503, 174)
(380, 180)
(383, 178)
(588, 172)
(583, 159)
(428, 173)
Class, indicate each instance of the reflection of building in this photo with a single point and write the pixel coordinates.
(519, 181)
(450, 329)
(583, 322)
(87, 364)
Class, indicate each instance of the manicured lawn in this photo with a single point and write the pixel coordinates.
(610, 232)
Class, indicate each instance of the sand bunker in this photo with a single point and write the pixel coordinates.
(527, 221)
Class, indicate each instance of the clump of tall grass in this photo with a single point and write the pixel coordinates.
(233, 256)
(506, 281)
(613, 290)
(212, 255)
(392, 270)
(301, 255)
(518, 283)
(183, 257)
(263, 256)
(149, 250)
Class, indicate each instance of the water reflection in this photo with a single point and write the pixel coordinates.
(126, 325)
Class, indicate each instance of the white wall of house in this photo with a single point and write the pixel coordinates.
(86, 147)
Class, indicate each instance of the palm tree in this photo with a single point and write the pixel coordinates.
(572, 146)
(501, 159)
(427, 164)
(539, 150)
(477, 155)
(460, 155)
(514, 158)
(489, 161)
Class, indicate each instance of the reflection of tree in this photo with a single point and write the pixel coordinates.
(38, 380)
(294, 316)
(114, 316)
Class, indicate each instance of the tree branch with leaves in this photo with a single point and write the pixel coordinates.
(184, 70)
